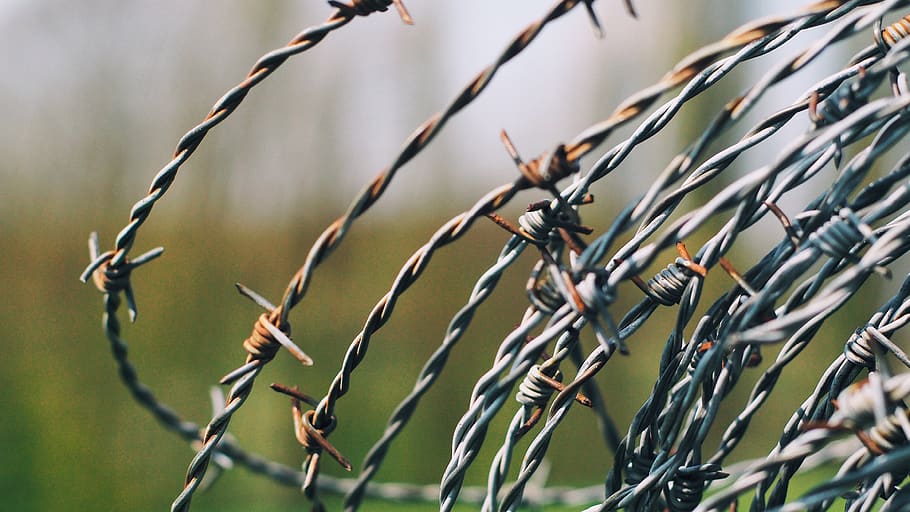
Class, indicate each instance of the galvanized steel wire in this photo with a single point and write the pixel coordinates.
(851, 232)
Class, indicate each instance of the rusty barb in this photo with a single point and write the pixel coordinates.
(269, 335)
(544, 171)
(367, 7)
(668, 285)
(541, 217)
(113, 279)
(537, 387)
(313, 439)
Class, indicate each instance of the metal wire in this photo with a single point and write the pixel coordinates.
(849, 233)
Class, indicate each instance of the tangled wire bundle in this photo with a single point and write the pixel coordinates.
(856, 228)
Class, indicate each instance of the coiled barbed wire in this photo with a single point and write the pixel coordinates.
(622, 504)
(623, 109)
(577, 300)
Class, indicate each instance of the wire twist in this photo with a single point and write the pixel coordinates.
(639, 466)
(859, 349)
(668, 285)
(535, 390)
(839, 235)
(542, 293)
(896, 31)
(685, 491)
(223, 108)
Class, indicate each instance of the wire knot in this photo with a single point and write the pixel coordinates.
(314, 439)
(535, 391)
(262, 345)
(888, 433)
(110, 279)
(310, 437)
(542, 292)
(594, 292)
(835, 107)
(685, 491)
(896, 31)
(874, 410)
(536, 388)
(270, 332)
(668, 285)
(859, 404)
(639, 467)
(859, 349)
(115, 278)
(840, 234)
(558, 166)
(539, 223)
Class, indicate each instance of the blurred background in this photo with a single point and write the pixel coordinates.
(97, 93)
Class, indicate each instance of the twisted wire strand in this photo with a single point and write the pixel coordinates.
(842, 128)
(268, 336)
(111, 270)
(667, 443)
(333, 235)
(790, 116)
(859, 401)
(732, 111)
(627, 113)
(383, 310)
(794, 451)
(388, 310)
(762, 388)
(538, 448)
(615, 120)
(704, 68)
(226, 105)
(490, 392)
(335, 232)
(534, 392)
(560, 407)
(430, 372)
(611, 276)
(794, 163)
(213, 433)
(859, 353)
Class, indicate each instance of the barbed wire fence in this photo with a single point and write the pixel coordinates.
(853, 230)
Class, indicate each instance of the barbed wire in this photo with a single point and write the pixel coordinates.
(272, 329)
(111, 270)
(470, 445)
(627, 111)
(853, 230)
